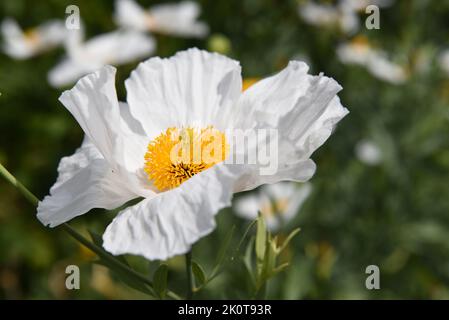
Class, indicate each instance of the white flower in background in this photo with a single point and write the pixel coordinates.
(360, 52)
(278, 203)
(360, 5)
(20, 44)
(383, 69)
(327, 15)
(178, 19)
(368, 152)
(127, 150)
(443, 61)
(115, 48)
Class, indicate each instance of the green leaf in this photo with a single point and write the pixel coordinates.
(289, 238)
(261, 239)
(198, 272)
(280, 268)
(160, 280)
(248, 261)
(222, 253)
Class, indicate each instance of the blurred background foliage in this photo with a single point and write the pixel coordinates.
(394, 214)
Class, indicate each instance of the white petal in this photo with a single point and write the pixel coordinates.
(170, 223)
(93, 102)
(297, 199)
(15, 45)
(132, 125)
(271, 97)
(69, 166)
(192, 88)
(85, 181)
(303, 109)
(309, 124)
(178, 19)
(247, 206)
(115, 48)
(52, 32)
(67, 72)
(129, 14)
(385, 70)
(44, 37)
(318, 15)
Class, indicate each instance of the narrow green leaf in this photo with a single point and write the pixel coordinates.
(248, 260)
(289, 238)
(222, 253)
(261, 239)
(280, 268)
(160, 280)
(199, 274)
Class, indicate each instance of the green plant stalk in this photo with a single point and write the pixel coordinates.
(74, 234)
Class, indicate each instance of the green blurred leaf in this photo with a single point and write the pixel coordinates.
(261, 239)
(126, 278)
(198, 272)
(289, 238)
(160, 280)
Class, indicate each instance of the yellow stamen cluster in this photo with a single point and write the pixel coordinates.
(179, 153)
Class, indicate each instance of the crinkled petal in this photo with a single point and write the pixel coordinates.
(302, 109)
(193, 88)
(170, 223)
(85, 181)
(93, 102)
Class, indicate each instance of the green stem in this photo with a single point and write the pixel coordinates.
(74, 234)
(189, 293)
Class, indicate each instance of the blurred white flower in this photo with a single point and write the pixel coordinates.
(178, 19)
(368, 152)
(20, 44)
(115, 48)
(360, 5)
(385, 70)
(360, 52)
(127, 150)
(327, 15)
(443, 61)
(278, 203)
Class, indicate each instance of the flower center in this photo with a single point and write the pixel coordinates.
(32, 36)
(179, 153)
(277, 207)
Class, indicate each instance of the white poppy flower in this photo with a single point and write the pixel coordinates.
(127, 150)
(178, 19)
(368, 152)
(21, 44)
(360, 52)
(278, 203)
(115, 48)
(328, 15)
